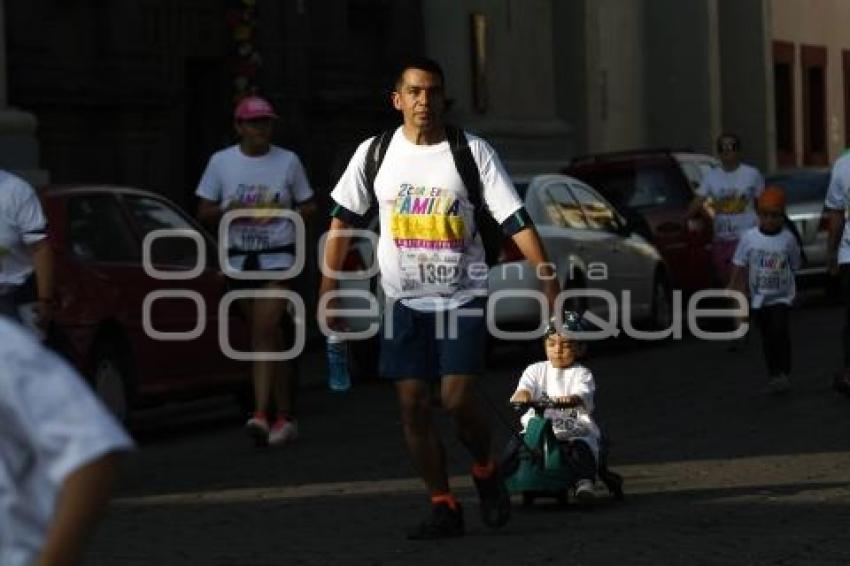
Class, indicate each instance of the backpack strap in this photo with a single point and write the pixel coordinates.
(465, 165)
(490, 230)
(374, 158)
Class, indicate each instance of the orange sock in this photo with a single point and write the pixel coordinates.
(484, 471)
(445, 498)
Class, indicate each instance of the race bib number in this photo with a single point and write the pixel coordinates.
(430, 271)
(772, 283)
(568, 422)
(252, 238)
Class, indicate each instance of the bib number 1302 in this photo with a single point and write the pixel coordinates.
(438, 274)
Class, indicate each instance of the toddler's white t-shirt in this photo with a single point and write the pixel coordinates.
(568, 424)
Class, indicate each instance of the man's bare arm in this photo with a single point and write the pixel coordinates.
(528, 242)
(336, 247)
(209, 213)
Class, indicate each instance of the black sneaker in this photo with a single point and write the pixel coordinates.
(494, 498)
(444, 522)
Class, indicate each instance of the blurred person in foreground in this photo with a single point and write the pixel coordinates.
(26, 260)
(59, 455)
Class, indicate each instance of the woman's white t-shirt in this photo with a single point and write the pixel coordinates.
(429, 248)
(275, 180)
(732, 194)
(568, 424)
(771, 261)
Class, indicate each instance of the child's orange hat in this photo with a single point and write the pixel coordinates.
(773, 199)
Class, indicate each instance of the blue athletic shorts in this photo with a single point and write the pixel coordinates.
(414, 350)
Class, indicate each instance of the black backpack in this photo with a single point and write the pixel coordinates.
(491, 233)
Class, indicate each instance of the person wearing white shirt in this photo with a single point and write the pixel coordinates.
(766, 258)
(565, 381)
(256, 175)
(837, 210)
(26, 259)
(430, 243)
(731, 189)
(58, 454)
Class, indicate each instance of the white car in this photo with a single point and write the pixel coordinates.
(593, 248)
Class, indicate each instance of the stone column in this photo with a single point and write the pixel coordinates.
(18, 144)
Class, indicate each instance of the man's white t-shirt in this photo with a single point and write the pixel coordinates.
(429, 251)
(51, 424)
(568, 424)
(771, 261)
(732, 194)
(22, 224)
(275, 180)
(838, 198)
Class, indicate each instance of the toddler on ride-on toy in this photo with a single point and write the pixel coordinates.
(563, 449)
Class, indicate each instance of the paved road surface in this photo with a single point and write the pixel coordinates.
(715, 473)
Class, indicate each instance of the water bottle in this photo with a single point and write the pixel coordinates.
(338, 378)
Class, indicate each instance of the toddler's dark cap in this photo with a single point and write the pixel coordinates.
(570, 322)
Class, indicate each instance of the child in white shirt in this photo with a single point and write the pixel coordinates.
(566, 382)
(766, 258)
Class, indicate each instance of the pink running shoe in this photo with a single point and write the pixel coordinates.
(283, 431)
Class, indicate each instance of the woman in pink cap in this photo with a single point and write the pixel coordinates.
(257, 175)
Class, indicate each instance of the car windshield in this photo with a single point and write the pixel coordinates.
(637, 186)
(803, 186)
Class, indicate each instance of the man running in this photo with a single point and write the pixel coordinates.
(429, 245)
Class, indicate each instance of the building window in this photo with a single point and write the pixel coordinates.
(783, 94)
(813, 65)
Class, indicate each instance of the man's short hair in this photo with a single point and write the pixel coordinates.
(422, 64)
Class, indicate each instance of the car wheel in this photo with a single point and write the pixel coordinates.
(110, 379)
(661, 315)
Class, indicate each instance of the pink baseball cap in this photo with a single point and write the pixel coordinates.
(253, 107)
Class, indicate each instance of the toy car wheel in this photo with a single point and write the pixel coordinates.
(527, 500)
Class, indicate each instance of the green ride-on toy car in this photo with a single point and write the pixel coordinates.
(538, 468)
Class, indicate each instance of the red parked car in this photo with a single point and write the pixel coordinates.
(650, 188)
(101, 286)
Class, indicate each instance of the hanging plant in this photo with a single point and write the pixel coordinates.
(242, 23)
